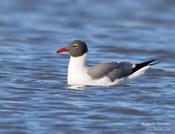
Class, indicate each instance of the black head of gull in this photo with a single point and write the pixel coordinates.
(75, 48)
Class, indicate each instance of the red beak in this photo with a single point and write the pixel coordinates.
(61, 50)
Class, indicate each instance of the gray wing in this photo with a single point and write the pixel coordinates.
(124, 69)
(113, 70)
(100, 70)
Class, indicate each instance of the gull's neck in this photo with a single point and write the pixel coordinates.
(77, 63)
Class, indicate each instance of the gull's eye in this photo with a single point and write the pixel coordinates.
(75, 45)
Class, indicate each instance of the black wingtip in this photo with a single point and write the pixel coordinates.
(150, 62)
(154, 62)
(143, 64)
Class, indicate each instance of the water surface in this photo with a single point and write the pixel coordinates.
(34, 96)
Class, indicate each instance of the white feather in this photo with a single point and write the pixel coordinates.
(77, 73)
(139, 72)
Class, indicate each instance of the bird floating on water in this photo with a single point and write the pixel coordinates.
(105, 74)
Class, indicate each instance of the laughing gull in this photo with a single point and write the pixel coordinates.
(106, 74)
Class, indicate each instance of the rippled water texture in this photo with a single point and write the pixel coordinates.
(34, 96)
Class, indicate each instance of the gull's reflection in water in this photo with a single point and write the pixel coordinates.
(76, 87)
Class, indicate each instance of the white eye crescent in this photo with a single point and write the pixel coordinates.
(75, 45)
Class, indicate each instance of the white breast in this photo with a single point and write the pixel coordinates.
(77, 71)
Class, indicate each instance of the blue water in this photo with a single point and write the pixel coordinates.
(34, 96)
